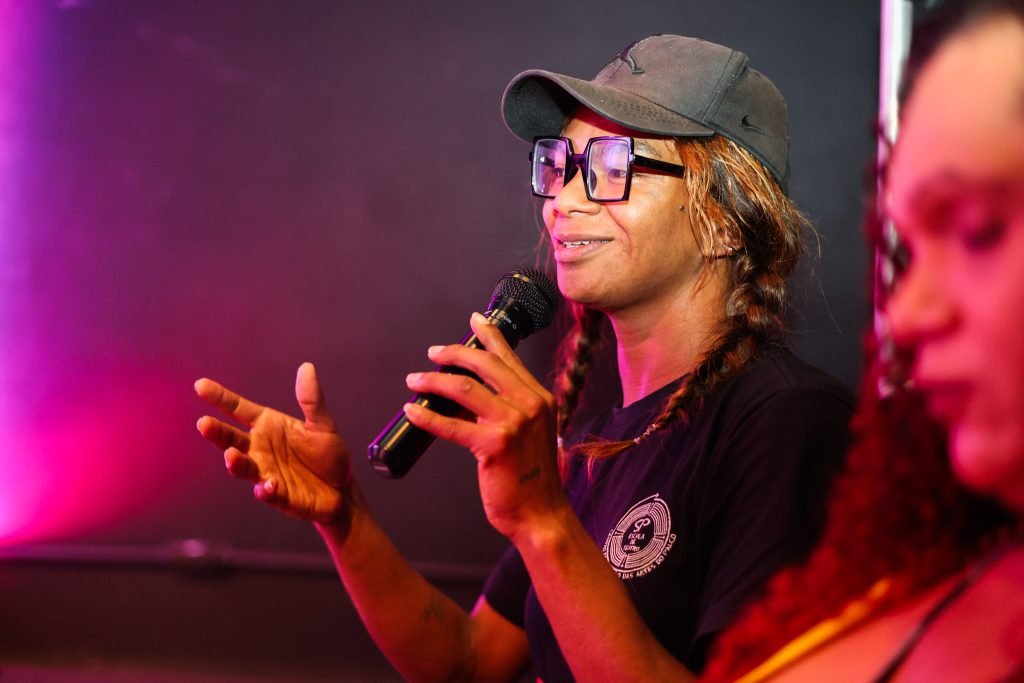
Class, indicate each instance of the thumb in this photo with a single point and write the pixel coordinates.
(488, 333)
(493, 340)
(311, 397)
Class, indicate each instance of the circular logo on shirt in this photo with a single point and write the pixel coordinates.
(641, 539)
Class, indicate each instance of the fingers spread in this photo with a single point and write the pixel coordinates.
(241, 465)
(223, 435)
(238, 407)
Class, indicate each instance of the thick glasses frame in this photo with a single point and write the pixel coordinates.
(576, 162)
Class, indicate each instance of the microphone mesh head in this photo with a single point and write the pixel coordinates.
(534, 291)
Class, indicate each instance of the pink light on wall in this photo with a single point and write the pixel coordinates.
(93, 462)
(18, 25)
(84, 430)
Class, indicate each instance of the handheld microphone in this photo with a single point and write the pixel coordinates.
(524, 301)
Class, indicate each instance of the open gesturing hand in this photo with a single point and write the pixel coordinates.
(298, 466)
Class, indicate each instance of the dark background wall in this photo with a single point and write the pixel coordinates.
(231, 188)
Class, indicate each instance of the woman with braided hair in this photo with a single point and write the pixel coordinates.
(638, 535)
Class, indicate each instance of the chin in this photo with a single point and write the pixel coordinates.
(990, 464)
(578, 290)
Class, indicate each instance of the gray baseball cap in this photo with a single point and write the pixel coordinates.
(666, 85)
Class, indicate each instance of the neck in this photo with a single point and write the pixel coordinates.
(658, 346)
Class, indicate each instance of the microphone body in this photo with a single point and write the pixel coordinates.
(523, 302)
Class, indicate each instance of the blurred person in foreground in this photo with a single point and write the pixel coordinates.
(637, 536)
(920, 573)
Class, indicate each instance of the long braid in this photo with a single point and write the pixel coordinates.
(731, 196)
(576, 356)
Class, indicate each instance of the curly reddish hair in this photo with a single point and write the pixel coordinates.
(896, 510)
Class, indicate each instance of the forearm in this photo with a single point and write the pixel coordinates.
(600, 633)
(425, 635)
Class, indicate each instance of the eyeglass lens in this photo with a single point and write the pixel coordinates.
(549, 157)
(605, 163)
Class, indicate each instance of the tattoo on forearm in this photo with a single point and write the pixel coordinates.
(532, 474)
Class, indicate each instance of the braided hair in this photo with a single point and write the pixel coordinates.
(733, 196)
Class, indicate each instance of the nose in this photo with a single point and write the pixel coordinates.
(572, 198)
(921, 306)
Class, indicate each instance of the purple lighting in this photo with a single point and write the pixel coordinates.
(19, 485)
(72, 474)
(83, 402)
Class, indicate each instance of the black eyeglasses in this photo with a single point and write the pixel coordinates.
(607, 165)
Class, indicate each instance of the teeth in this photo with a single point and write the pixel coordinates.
(580, 243)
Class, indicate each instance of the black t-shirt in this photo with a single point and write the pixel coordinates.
(696, 518)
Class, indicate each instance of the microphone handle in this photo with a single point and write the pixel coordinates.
(400, 444)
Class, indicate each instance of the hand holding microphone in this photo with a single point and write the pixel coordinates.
(524, 301)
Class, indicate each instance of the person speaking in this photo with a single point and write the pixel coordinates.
(638, 535)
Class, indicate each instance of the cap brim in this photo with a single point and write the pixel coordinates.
(538, 102)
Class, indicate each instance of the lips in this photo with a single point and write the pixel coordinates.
(576, 244)
(571, 248)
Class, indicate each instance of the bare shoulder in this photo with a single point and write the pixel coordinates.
(980, 636)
